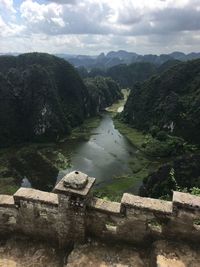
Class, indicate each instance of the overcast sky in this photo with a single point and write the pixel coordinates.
(94, 26)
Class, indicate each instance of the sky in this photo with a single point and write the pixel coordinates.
(94, 26)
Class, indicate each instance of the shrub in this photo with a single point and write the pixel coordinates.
(154, 130)
(162, 136)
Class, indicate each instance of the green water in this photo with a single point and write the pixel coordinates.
(105, 155)
(96, 148)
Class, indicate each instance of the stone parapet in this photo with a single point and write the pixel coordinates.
(187, 201)
(7, 201)
(146, 204)
(105, 206)
(71, 214)
(37, 196)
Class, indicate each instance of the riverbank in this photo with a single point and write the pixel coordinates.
(38, 164)
(140, 164)
(119, 105)
(102, 147)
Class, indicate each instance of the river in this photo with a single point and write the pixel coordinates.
(106, 155)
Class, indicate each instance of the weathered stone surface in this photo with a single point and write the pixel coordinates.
(148, 204)
(102, 255)
(61, 189)
(186, 200)
(34, 195)
(163, 261)
(72, 214)
(75, 180)
(105, 206)
(6, 201)
(27, 253)
(174, 254)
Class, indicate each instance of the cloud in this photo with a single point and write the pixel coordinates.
(10, 30)
(91, 26)
(63, 2)
(7, 5)
(172, 19)
(104, 17)
(57, 19)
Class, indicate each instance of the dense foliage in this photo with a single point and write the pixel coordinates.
(182, 174)
(167, 109)
(42, 96)
(103, 92)
(170, 102)
(128, 75)
(125, 75)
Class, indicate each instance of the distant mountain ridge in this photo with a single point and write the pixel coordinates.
(113, 58)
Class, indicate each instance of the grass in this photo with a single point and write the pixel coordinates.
(136, 137)
(49, 152)
(155, 226)
(8, 186)
(83, 132)
(196, 222)
(120, 103)
(119, 185)
(140, 164)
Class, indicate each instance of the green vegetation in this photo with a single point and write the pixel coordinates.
(196, 222)
(165, 112)
(125, 75)
(140, 164)
(83, 132)
(154, 225)
(115, 190)
(169, 101)
(195, 191)
(136, 137)
(119, 103)
(42, 98)
(8, 186)
(103, 92)
(40, 162)
(128, 75)
(152, 146)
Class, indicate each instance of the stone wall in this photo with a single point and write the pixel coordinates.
(138, 219)
(73, 214)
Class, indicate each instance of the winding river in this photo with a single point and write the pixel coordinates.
(106, 155)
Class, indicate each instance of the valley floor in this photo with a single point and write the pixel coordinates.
(40, 164)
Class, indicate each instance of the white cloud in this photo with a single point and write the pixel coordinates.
(10, 29)
(63, 2)
(91, 26)
(34, 12)
(7, 5)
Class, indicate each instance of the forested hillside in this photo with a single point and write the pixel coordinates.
(169, 101)
(103, 92)
(167, 109)
(128, 75)
(41, 97)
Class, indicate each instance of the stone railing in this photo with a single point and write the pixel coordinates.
(71, 214)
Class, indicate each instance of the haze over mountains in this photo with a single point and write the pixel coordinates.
(114, 58)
